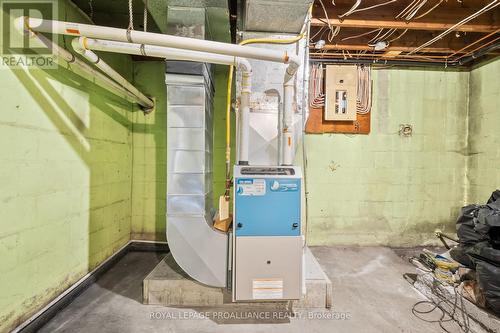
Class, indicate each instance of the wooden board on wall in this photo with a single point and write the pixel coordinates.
(316, 124)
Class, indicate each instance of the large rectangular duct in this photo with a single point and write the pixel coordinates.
(274, 16)
(199, 249)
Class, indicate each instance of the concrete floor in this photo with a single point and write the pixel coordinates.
(369, 293)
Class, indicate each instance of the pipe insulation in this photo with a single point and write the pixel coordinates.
(177, 54)
(78, 45)
(162, 52)
(149, 38)
(97, 76)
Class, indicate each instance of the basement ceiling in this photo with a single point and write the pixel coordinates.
(388, 30)
(115, 13)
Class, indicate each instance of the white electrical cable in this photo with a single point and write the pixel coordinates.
(316, 86)
(333, 32)
(408, 8)
(430, 10)
(371, 7)
(489, 6)
(415, 11)
(353, 8)
(364, 90)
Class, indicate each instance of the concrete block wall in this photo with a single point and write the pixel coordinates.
(65, 179)
(483, 167)
(149, 156)
(383, 188)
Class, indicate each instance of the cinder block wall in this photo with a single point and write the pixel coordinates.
(149, 154)
(65, 180)
(149, 139)
(483, 167)
(384, 188)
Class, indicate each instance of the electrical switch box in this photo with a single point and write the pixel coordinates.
(341, 81)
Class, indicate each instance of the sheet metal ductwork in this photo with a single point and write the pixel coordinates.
(199, 249)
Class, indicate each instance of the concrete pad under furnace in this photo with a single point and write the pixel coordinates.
(168, 285)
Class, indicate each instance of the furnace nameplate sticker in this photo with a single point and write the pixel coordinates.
(251, 187)
(267, 288)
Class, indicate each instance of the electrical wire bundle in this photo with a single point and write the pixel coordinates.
(364, 90)
(409, 12)
(332, 31)
(316, 86)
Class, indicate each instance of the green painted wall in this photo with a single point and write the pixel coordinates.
(386, 189)
(149, 154)
(65, 180)
(484, 132)
(219, 168)
(149, 139)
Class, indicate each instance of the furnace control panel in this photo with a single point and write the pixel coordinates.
(267, 201)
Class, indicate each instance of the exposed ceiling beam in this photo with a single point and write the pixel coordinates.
(364, 47)
(374, 24)
(441, 18)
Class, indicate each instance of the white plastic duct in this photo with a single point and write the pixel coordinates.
(148, 38)
(177, 54)
(79, 47)
(162, 52)
(104, 81)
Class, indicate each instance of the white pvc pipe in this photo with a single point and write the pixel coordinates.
(176, 54)
(287, 141)
(163, 52)
(79, 46)
(244, 119)
(149, 38)
(102, 79)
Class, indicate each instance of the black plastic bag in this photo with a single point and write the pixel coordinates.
(488, 277)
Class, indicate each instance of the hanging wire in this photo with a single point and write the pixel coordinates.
(408, 8)
(91, 7)
(130, 16)
(368, 8)
(430, 10)
(145, 24)
(353, 8)
(333, 32)
(361, 35)
(398, 37)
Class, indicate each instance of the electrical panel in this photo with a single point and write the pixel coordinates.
(340, 103)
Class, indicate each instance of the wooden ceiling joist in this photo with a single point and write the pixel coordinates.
(364, 47)
(412, 25)
(441, 18)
